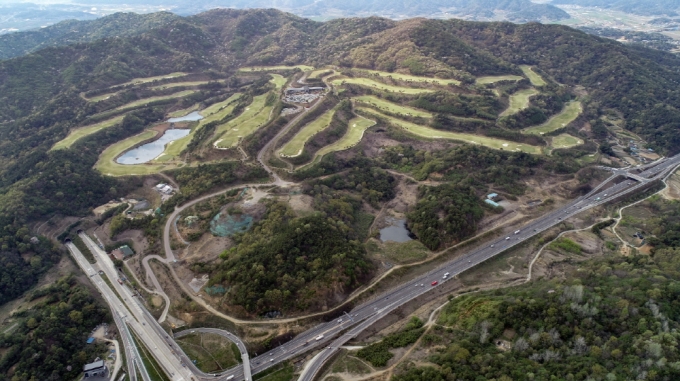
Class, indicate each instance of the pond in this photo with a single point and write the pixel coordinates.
(396, 232)
(150, 151)
(191, 117)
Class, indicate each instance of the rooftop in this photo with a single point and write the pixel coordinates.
(93, 365)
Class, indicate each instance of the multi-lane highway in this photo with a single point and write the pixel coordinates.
(376, 308)
(178, 366)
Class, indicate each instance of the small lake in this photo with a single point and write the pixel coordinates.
(150, 151)
(396, 232)
(191, 117)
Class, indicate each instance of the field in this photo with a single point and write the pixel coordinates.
(497, 78)
(431, 133)
(273, 68)
(295, 146)
(278, 80)
(252, 118)
(519, 101)
(108, 166)
(144, 101)
(211, 352)
(317, 73)
(570, 112)
(380, 86)
(355, 132)
(411, 78)
(392, 108)
(82, 132)
(535, 79)
(100, 97)
(565, 141)
(177, 84)
(178, 113)
(137, 81)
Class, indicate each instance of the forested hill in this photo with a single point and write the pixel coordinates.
(40, 93)
(73, 31)
(639, 83)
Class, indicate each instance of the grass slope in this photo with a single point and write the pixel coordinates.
(108, 166)
(352, 137)
(295, 146)
(379, 85)
(519, 101)
(390, 107)
(212, 113)
(431, 133)
(565, 141)
(412, 78)
(144, 101)
(497, 78)
(535, 79)
(253, 117)
(274, 68)
(570, 112)
(82, 132)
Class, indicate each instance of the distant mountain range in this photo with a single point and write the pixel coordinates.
(638, 7)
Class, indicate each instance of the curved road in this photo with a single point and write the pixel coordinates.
(226, 334)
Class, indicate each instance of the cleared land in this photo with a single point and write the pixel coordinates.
(295, 146)
(519, 101)
(274, 68)
(352, 137)
(108, 166)
(379, 85)
(82, 132)
(393, 108)
(431, 133)
(497, 78)
(570, 112)
(252, 118)
(535, 79)
(565, 141)
(411, 78)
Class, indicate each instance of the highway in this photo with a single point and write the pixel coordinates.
(229, 336)
(378, 307)
(178, 366)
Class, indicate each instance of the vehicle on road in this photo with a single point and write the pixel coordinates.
(318, 337)
(120, 281)
(516, 231)
(507, 238)
(435, 283)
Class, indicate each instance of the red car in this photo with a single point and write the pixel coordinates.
(435, 283)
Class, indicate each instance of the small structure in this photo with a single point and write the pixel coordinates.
(492, 203)
(90, 340)
(35, 240)
(491, 196)
(96, 371)
(160, 186)
(126, 250)
(117, 254)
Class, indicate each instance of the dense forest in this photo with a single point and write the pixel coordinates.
(48, 342)
(617, 319)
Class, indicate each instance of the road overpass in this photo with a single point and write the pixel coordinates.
(177, 365)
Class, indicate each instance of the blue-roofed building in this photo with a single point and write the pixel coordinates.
(492, 203)
(90, 340)
(491, 196)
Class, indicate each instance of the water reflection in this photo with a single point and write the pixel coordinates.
(191, 117)
(396, 232)
(150, 151)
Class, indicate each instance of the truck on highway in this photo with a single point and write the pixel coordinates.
(228, 378)
(318, 337)
(516, 231)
